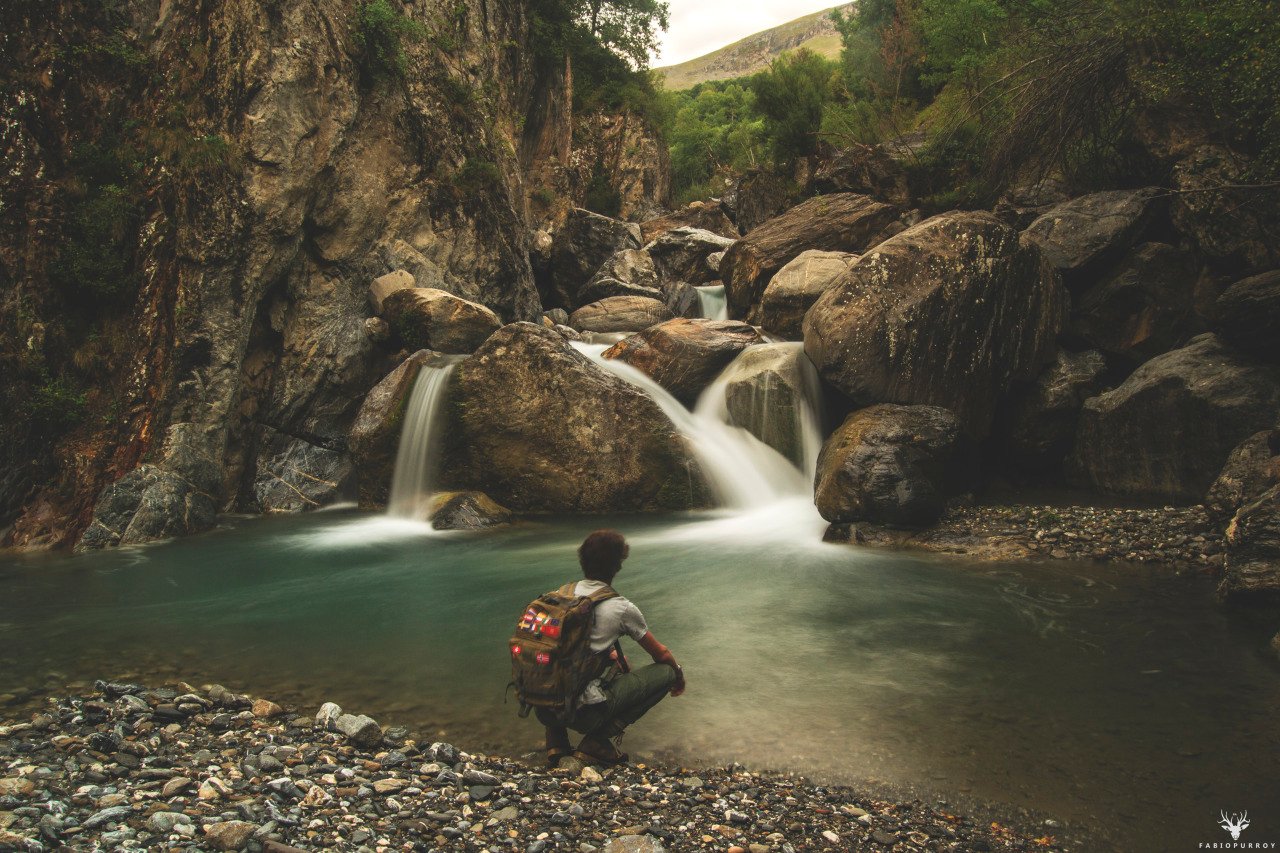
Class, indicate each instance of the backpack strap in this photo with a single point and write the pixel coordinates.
(602, 594)
(568, 589)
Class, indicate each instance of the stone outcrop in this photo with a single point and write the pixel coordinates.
(1141, 309)
(385, 285)
(844, 222)
(581, 246)
(1167, 431)
(1042, 422)
(1232, 227)
(1251, 469)
(866, 169)
(1248, 315)
(1253, 552)
(1082, 235)
(630, 272)
(888, 464)
(1022, 205)
(620, 314)
(685, 355)
(757, 197)
(704, 215)
(424, 318)
(951, 312)
(545, 430)
(793, 289)
(767, 394)
(375, 435)
(681, 254)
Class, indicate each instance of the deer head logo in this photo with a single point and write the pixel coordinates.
(1235, 824)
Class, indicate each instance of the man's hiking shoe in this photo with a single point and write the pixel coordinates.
(557, 744)
(597, 750)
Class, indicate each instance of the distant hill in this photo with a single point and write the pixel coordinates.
(755, 52)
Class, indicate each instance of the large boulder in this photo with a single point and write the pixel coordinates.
(844, 222)
(772, 392)
(1042, 421)
(888, 464)
(866, 169)
(630, 272)
(1251, 469)
(1253, 552)
(1167, 431)
(426, 318)
(545, 430)
(1024, 204)
(681, 254)
(1248, 315)
(582, 244)
(620, 314)
(793, 289)
(706, 215)
(299, 476)
(757, 197)
(685, 355)
(1143, 308)
(375, 435)
(951, 312)
(1232, 227)
(466, 511)
(1081, 236)
(385, 285)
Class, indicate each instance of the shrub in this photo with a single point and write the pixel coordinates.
(55, 406)
(94, 259)
(380, 33)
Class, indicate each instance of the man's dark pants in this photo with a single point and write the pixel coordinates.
(628, 697)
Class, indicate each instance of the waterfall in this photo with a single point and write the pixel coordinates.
(712, 301)
(742, 471)
(417, 459)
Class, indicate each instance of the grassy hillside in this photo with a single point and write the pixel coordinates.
(755, 52)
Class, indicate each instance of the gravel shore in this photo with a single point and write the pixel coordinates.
(1181, 536)
(184, 768)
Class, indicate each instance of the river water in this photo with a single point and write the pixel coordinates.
(1120, 697)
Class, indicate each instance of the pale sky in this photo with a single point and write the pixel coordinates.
(701, 26)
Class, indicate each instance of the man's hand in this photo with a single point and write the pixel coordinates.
(661, 654)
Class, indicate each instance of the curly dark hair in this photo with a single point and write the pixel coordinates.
(601, 554)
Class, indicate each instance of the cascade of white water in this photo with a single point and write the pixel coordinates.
(417, 458)
(712, 301)
(742, 470)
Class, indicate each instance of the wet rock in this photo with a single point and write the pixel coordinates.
(1249, 315)
(620, 314)
(385, 285)
(1081, 236)
(1043, 421)
(685, 355)
(1226, 225)
(375, 435)
(1253, 552)
(844, 222)
(793, 289)
(548, 431)
(951, 312)
(681, 254)
(229, 834)
(1169, 428)
(755, 198)
(768, 393)
(581, 246)
(866, 169)
(426, 318)
(327, 716)
(704, 215)
(360, 730)
(296, 475)
(1252, 468)
(1143, 308)
(467, 511)
(888, 464)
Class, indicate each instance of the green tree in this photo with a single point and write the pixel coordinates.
(790, 97)
(379, 35)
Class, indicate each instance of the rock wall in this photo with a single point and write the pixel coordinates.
(244, 352)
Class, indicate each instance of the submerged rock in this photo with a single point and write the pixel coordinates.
(792, 291)
(425, 318)
(466, 511)
(548, 431)
(620, 314)
(685, 355)
(1080, 236)
(844, 222)
(1249, 315)
(888, 464)
(951, 312)
(1167, 431)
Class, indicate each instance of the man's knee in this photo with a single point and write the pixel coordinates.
(662, 676)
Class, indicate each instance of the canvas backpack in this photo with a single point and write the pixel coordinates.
(551, 657)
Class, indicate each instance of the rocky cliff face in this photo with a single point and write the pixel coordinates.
(275, 176)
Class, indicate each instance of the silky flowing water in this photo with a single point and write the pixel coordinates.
(1117, 696)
